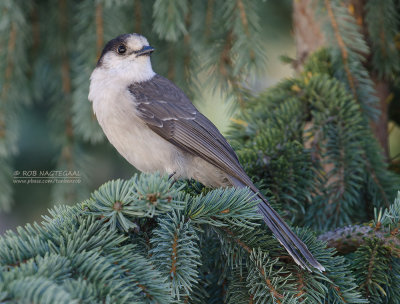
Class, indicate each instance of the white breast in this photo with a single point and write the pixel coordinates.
(114, 108)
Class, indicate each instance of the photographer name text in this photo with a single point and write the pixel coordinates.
(46, 177)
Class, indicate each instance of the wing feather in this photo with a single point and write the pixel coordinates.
(169, 113)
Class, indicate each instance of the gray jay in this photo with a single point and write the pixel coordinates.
(155, 127)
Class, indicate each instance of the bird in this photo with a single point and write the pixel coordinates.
(156, 128)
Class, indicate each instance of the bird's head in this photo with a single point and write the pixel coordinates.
(127, 57)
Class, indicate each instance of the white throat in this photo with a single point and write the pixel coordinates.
(117, 76)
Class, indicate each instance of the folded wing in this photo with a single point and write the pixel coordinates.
(168, 112)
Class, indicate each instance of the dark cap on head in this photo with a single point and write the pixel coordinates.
(112, 45)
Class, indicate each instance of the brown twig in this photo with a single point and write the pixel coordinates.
(238, 241)
(10, 61)
(300, 286)
(209, 15)
(225, 62)
(171, 62)
(174, 256)
(342, 46)
(99, 29)
(186, 42)
(35, 29)
(371, 265)
(245, 23)
(273, 291)
(66, 87)
(138, 16)
(348, 239)
(307, 31)
(377, 182)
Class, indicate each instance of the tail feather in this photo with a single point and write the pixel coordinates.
(283, 240)
(295, 247)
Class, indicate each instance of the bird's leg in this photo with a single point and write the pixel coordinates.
(136, 229)
(171, 176)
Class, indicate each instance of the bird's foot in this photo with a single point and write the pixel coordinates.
(170, 177)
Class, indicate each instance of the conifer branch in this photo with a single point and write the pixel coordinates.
(65, 66)
(225, 68)
(243, 16)
(371, 266)
(138, 16)
(10, 60)
(169, 19)
(350, 238)
(245, 23)
(377, 182)
(14, 87)
(186, 42)
(209, 18)
(237, 240)
(342, 46)
(305, 142)
(35, 29)
(99, 28)
(171, 61)
(382, 20)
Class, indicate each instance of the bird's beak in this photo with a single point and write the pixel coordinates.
(146, 50)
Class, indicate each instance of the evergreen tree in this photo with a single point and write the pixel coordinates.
(307, 143)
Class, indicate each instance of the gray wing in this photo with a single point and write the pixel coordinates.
(169, 113)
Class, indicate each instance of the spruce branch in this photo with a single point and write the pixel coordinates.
(375, 247)
(176, 253)
(121, 203)
(9, 60)
(14, 88)
(104, 19)
(370, 266)
(342, 46)
(92, 252)
(138, 16)
(265, 278)
(169, 19)
(382, 20)
(187, 254)
(224, 207)
(348, 239)
(314, 123)
(209, 18)
(237, 291)
(348, 51)
(99, 28)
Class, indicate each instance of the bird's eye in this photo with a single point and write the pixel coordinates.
(121, 49)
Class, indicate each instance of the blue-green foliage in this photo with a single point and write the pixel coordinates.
(178, 248)
(383, 23)
(71, 257)
(308, 142)
(175, 251)
(49, 49)
(348, 49)
(14, 87)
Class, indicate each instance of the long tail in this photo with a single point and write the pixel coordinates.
(294, 246)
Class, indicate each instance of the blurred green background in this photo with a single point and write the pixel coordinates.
(36, 149)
